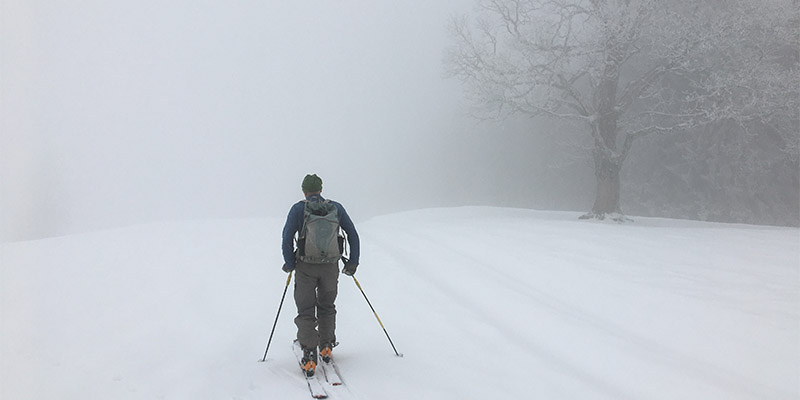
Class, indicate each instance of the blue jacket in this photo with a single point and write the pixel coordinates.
(294, 223)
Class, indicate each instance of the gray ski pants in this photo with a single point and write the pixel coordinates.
(315, 289)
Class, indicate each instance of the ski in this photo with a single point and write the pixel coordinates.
(331, 375)
(314, 385)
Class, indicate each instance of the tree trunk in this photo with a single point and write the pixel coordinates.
(606, 199)
(607, 158)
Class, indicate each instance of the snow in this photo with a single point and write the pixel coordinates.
(483, 302)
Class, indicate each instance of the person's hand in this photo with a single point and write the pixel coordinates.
(349, 268)
(287, 269)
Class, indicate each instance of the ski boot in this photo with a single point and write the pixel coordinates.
(326, 351)
(309, 362)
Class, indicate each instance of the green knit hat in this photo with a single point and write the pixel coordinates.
(312, 184)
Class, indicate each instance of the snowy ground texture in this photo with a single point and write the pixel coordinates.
(485, 303)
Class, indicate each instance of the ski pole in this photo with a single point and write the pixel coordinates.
(377, 317)
(289, 279)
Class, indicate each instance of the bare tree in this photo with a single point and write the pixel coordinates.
(629, 68)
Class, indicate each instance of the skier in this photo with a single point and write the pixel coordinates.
(315, 261)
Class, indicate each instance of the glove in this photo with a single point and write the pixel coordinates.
(287, 269)
(349, 268)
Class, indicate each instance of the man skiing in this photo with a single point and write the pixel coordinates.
(316, 222)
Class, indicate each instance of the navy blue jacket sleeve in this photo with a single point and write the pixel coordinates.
(352, 235)
(293, 225)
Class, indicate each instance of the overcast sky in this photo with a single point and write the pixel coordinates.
(115, 113)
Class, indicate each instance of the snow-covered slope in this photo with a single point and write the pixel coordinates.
(483, 302)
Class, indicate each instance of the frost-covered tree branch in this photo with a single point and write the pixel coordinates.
(630, 68)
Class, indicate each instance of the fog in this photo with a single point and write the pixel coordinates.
(114, 114)
(117, 113)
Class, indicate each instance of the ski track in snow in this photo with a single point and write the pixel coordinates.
(655, 309)
(481, 313)
(654, 351)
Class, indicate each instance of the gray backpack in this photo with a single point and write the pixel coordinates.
(320, 241)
